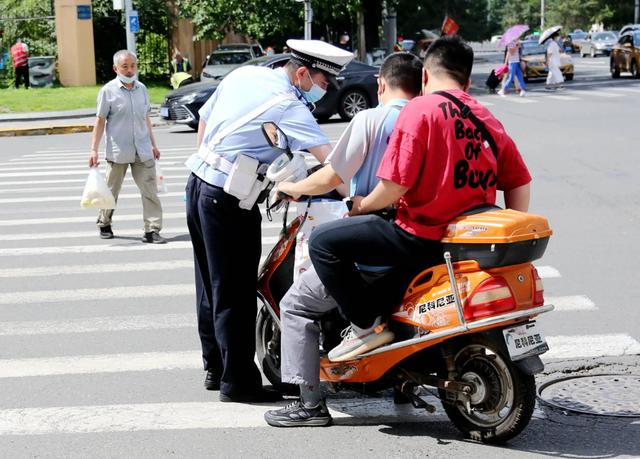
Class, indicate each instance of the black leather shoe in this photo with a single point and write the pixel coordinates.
(212, 381)
(259, 396)
(153, 238)
(105, 232)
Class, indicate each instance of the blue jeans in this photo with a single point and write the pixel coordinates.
(515, 71)
(336, 247)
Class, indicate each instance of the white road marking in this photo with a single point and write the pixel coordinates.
(81, 234)
(96, 294)
(77, 151)
(55, 166)
(548, 272)
(634, 89)
(84, 219)
(194, 415)
(519, 100)
(42, 182)
(598, 93)
(561, 97)
(571, 303)
(78, 188)
(587, 346)
(99, 324)
(95, 269)
(77, 198)
(101, 363)
(126, 217)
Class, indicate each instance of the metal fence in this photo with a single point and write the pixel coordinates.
(153, 56)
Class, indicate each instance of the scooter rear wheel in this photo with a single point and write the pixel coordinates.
(504, 397)
(268, 350)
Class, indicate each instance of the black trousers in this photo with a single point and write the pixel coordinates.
(336, 247)
(22, 73)
(226, 246)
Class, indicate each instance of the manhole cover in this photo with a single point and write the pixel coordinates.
(603, 395)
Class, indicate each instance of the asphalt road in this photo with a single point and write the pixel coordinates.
(99, 351)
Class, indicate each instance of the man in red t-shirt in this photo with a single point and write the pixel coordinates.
(447, 154)
(20, 57)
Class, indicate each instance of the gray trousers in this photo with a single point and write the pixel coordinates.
(144, 174)
(301, 309)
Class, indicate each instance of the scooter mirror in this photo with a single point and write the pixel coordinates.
(275, 137)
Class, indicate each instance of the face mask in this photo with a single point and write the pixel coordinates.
(126, 79)
(314, 94)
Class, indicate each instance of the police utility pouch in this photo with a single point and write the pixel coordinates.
(242, 177)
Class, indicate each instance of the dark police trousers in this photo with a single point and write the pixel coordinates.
(336, 247)
(226, 245)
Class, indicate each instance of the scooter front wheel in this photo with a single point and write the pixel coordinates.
(268, 350)
(503, 397)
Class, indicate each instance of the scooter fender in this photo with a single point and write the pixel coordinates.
(530, 365)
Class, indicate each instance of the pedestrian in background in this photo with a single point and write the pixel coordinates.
(512, 59)
(123, 111)
(20, 56)
(552, 61)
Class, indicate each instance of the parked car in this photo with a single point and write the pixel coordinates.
(576, 40)
(533, 55)
(222, 61)
(598, 43)
(254, 48)
(357, 91)
(625, 55)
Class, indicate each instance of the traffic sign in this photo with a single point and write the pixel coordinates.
(134, 22)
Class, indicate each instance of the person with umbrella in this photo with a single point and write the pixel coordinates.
(552, 59)
(512, 57)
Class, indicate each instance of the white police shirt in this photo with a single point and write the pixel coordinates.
(243, 90)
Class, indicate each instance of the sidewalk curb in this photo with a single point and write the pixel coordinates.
(16, 132)
(48, 130)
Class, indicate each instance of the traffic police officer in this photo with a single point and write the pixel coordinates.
(224, 223)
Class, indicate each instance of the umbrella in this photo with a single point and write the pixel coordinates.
(513, 33)
(547, 33)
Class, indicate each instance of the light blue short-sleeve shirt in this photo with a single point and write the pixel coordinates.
(357, 154)
(242, 91)
(126, 111)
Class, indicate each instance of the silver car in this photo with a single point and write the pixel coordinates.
(598, 43)
(222, 61)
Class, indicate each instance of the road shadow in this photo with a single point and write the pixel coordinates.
(556, 434)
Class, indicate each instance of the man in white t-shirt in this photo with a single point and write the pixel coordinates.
(353, 162)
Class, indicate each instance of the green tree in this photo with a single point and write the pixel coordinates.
(30, 20)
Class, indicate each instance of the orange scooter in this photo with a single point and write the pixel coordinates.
(465, 327)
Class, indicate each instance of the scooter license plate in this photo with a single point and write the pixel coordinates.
(164, 112)
(524, 341)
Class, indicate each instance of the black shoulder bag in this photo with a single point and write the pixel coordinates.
(466, 112)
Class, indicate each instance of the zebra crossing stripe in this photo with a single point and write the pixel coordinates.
(102, 268)
(96, 294)
(572, 303)
(589, 346)
(82, 180)
(604, 94)
(560, 347)
(561, 97)
(119, 218)
(77, 198)
(197, 415)
(547, 272)
(99, 324)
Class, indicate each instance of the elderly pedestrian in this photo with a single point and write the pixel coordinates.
(224, 221)
(123, 113)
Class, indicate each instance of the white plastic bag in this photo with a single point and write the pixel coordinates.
(97, 194)
(320, 211)
(160, 183)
